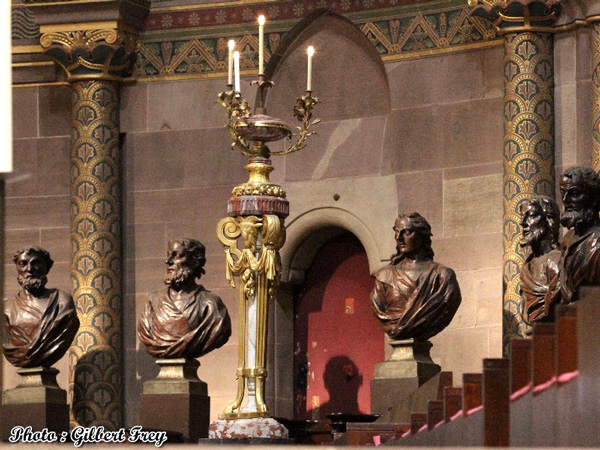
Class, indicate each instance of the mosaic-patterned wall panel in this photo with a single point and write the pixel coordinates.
(528, 150)
(595, 28)
(95, 357)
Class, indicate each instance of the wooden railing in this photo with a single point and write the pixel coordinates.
(546, 393)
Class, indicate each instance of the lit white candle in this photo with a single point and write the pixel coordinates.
(261, 43)
(231, 44)
(6, 158)
(236, 70)
(310, 51)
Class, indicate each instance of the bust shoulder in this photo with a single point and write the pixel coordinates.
(385, 274)
(206, 295)
(64, 298)
(444, 270)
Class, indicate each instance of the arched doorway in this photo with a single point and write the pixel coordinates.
(337, 340)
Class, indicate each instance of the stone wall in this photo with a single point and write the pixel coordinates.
(415, 134)
(38, 193)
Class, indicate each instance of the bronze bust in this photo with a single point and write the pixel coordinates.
(414, 297)
(39, 323)
(540, 218)
(184, 320)
(580, 262)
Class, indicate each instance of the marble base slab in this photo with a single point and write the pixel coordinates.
(247, 428)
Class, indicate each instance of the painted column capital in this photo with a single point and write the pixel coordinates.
(513, 16)
(90, 40)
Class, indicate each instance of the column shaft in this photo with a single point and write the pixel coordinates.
(96, 354)
(528, 150)
(595, 28)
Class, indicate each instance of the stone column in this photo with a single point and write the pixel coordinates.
(96, 354)
(95, 52)
(595, 30)
(528, 128)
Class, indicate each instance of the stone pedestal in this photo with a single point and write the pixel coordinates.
(407, 368)
(176, 401)
(37, 402)
(243, 429)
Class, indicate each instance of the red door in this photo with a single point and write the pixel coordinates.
(337, 340)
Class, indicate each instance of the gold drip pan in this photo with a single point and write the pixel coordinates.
(262, 128)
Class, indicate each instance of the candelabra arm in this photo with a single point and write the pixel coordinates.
(303, 112)
(237, 108)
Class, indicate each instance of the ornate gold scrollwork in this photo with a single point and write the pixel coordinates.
(238, 262)
(302, 112)
(258, 268)
(75, 50)
(72, 39)
(271, 190)
(236, 108)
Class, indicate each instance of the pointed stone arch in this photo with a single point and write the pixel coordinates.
(344, 54)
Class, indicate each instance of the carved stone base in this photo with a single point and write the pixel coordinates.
(409, 366)
(265, 428)
(176, 401)
(37, 402)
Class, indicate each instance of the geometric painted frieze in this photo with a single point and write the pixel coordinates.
(192, 39)
(171, 45)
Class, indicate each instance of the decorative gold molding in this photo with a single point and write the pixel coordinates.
(26, 49)
(46, 3)
(43, 84)
(33, 64)
(212, 5)
(83, 26)
(443, 51)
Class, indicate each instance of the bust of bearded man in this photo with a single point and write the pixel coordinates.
(540, 222)
(580, 262)
(184, 320)
(39, 323)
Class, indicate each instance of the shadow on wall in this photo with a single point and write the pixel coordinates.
(342, 381)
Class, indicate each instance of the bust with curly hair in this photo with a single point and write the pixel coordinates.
(39, 323)
(540, 221)
(414, 297)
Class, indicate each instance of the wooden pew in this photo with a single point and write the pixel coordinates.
(452, 402)
(496, 402)
(435, 413)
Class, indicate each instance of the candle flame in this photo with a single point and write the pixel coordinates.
(310, 50)
(261, 20)
(231, 44)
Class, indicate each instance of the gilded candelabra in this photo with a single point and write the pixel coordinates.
(254, 232)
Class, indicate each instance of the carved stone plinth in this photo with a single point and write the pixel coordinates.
(176, 401)
(407, 368)
(37, 402)
(243, 429)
